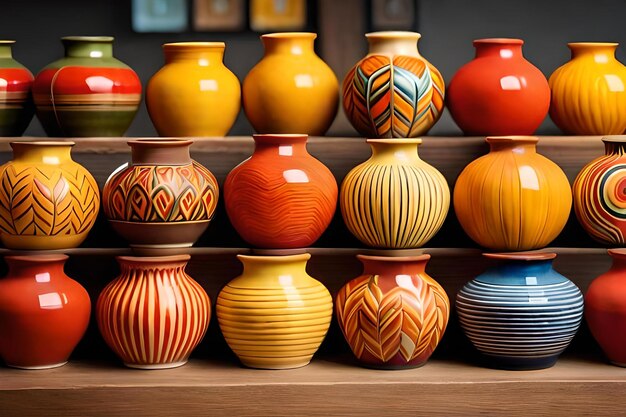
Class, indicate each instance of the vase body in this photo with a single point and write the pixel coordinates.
(194, 94)
(520, 314)
(600, 196)
(605, 309)
(588, 93)
(280, 197)
(162, 201)
(43, 312)
(499, 92)
(291, 90)
(88, 92)
(394, 200)
(47, 200)
(16, 103)
(393, 92)
(153, 314)
(394, 314)
(512, 199)
(274, 315)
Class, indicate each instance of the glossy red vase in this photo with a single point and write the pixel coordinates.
(499, 92)
(43, 312)
(605, 309)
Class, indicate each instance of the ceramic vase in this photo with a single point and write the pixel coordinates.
(162, 201)
(394, 200)
(274, 315)
(47, 201)
(499, 92)
(194, 94)
(153, 315)
(280, 197)
(43, 314)
(588, 94)
(393, 92)
(520, 314)
(291, 90)
(394, 314)
(600, 195)
(512, 199)
(16, 104)
(87, 92)
(605, 309)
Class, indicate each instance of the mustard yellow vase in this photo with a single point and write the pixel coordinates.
(274, 315)
(194, 94)
(589, 92)
(47, 201)
(394, 200)
(512, 199)
(290, 90)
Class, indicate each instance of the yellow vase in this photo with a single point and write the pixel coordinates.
(274, 315)
(512, 199)
(589, 93)
(47, 201)
(194, 94)
(291, 90)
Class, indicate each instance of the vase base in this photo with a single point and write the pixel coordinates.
(38, 243)
(274, 364)
(391, 367)
(154, 366)
(161, 250)
(38, 367)
(513, 363)
(620, 364)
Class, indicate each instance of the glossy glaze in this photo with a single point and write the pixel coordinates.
(394, 200)
(280, 197)
(394, 314)
(393, 92)
(499, 92)
(43, 312)
(513, 198)
(291, 90)
(588, 92)
(88, 92)
(153, 314)
(194, 94)
(274, 315)
(16, 104)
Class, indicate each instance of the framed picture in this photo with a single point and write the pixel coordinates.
(393, 14)
(219, 15)
(277, 15)
(159, 15)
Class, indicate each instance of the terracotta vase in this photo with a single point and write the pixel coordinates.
(162, 201)
(280, 197)
(393, 92)
(194, 94)
(394, 314)
(499, 92)
(43, 314)
(16, 103)
(88, 92)
(47, 201)
(274, 315)
(394, 200)
(600, 195)
(512, 199)
(520, 314)
(588, 93)
(291, 90)
(153, 315)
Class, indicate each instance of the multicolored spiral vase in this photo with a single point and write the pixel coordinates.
(163, 200)
(16, 103)
(393, 92)
(394, 200)
(512, 199)
(394, 315)
(281, 197)
(153, 315)
(600, 194)
(47, 200)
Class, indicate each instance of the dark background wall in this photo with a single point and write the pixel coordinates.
(447, 26)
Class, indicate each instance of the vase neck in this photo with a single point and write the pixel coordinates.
(295, 43)
(5, 49)
(45, 152)
(393, 43)
(614, 146)
(502, 48)
(201, 53)
(393, 266)
(140, 266)
(516, 144)
(281, 145)
(403, 150)
(41, 268)
(272, 269)
(530, 268)
(619, 258)
(160, 151)
(600, 52)
(88, 46)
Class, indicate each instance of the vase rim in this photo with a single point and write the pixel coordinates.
(394, 34)
(521, 256)
(289, 35)
(38, 258)
(36, 143)
(512, 139)
(501, 41)
(99, 39)
(402, 141)
(275, 258)
(6, 42)
(194, 45)
(381, 258)
(153, 259)
(614, 139)
(591, 44)
(161, 143)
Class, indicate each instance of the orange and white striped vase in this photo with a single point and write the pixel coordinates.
(153, 314)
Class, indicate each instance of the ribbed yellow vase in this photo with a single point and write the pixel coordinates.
(274, 315)
(589, 92)
(394, 200)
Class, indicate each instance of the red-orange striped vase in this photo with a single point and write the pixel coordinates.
(153, 314)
